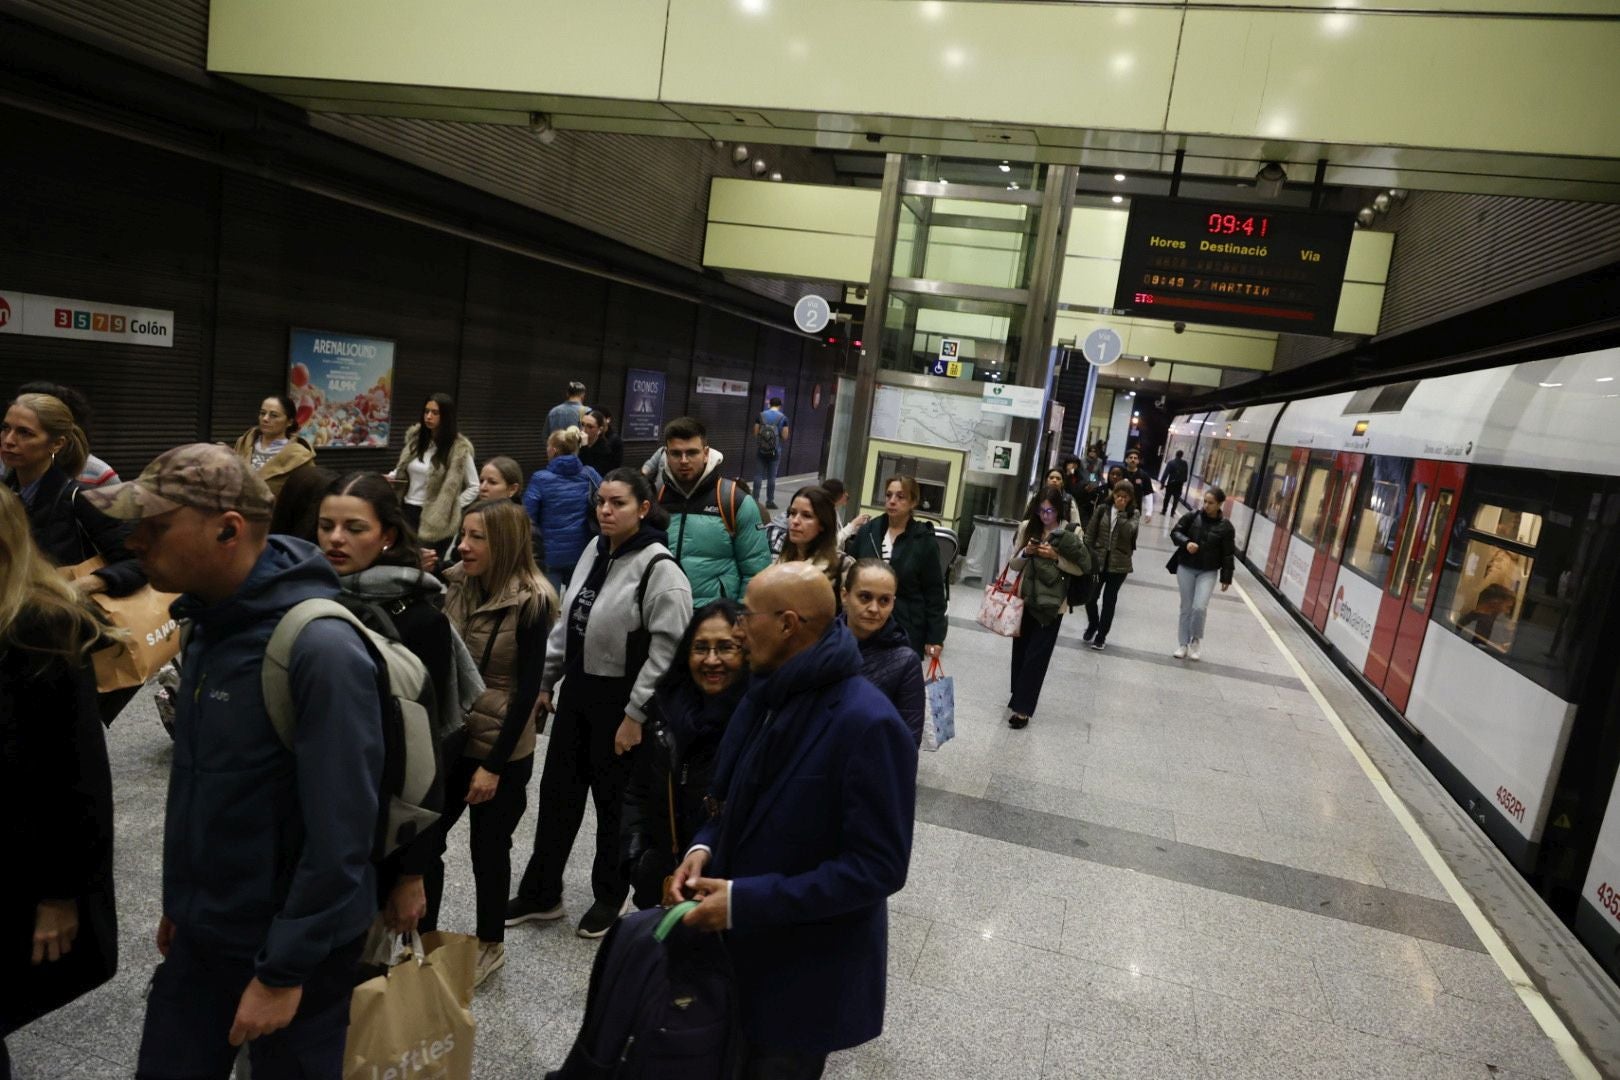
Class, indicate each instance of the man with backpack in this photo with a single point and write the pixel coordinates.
(770, 439)
(268, 880)
(715, 530)
(568, 412)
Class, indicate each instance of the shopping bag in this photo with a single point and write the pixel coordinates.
(939, 721)
(414, 1021)
(154, 636)
(1002, 611)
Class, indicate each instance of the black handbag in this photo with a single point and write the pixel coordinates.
(1082, 588)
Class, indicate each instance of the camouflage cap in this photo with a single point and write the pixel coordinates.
(204, 476)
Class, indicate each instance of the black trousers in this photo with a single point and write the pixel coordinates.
(493, 824)
(580, 761)
(1109, 584)
(1031, 654)
(1172, 497)
(193, 1003)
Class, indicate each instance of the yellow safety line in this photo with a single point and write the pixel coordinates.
(1540, 1008)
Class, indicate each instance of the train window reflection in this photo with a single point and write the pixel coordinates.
(1403, 559)
(1313, 502)
(1279, 497)
(1372, 535)
(1341, 517)
(1431, 549)
(1517, 526)
(1490, 596)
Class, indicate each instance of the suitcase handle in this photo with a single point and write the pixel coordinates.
(671, 917)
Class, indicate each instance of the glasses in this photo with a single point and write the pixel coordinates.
(725, 650)
(1047, 511)
(746, 614)
(684, 455)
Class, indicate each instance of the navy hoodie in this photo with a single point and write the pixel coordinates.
(266, 850)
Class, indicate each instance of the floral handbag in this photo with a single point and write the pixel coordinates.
(1002, 611)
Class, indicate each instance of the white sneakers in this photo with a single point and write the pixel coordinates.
(491, 956)
(1187, 652)
(1180, 653)
(1192, 650)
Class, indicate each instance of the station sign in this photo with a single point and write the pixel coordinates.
(1014, 400)
(85, 320)
(1228, 264)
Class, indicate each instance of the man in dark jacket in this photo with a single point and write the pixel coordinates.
(818, 775)
(1175, 478)
(268, 885)
(1141, 481)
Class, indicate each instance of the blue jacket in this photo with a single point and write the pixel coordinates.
(558, 501)
(890, 663)
(267, 851)
(815, 836)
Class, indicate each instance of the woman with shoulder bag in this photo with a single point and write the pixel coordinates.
(1111, 536)
(440, 477)
(1205, 547)
(907, 543)
(623, 616)
(1048, 555)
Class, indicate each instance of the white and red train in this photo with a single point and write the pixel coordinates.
(1455, 541)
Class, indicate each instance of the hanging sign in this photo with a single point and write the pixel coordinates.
(707, 384)
(644, 404)
(85, 320)
(343, 386)
(1102, 347)
(812, 314)
(1013, 400)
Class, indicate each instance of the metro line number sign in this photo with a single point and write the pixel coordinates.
(1230, 265)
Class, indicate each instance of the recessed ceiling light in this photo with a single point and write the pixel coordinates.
(1013, 186)
(1605, 378)
(943, 180)
(1006, 167)
(1119, 177)
(1119, 198)
(1550, 385)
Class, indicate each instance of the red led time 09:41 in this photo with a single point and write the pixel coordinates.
(1232, 224)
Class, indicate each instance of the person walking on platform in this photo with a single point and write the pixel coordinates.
(57, 917)
(670, 779)
(771, 433)
(603, 449)
(558, 501)
(1071, 507)
(268, 882)
(812, 535)
(1205, 547)
(1141, 481)
(715, 529)
(626, 609)
(1111, 536)
(887, 658)
(569, 412)
(504, 610)
(437, 466)
(907, 543)
(1048, 555)
(1175, 479)
(817, 787)
(274, 449)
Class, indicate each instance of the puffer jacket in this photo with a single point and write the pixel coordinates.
(719, 562)
(296, 454)
(1045, 585)
(1216, 540)
(441, 513)
(69, 530)
(890, 664)
(558, 501)
(1112, 549)
(919, 601)
(500, 724)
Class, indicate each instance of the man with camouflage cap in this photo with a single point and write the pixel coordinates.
(268, 885)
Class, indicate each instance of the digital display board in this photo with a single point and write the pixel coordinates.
(1233, 265)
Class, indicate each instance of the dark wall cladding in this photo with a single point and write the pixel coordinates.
(242, 261)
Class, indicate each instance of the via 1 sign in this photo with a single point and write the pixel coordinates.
(1232, 265)
(85, 320)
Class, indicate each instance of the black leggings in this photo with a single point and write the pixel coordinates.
(493, 824)
(1109, 588)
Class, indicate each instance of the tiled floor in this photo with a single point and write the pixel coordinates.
(1177, 870)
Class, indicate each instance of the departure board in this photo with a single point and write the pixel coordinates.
(1232, 265)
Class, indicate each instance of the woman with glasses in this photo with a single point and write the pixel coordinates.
(1048, 554)
(907, 544)
(887, 659)
(665, 801)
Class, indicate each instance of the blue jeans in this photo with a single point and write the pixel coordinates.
(765, 477)
(1197, 586)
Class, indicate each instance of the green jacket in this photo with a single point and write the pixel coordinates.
(715, 533)
(919, 602)
(1113, 550)
(1045, 587)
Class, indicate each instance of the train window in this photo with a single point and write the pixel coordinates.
(1378, 513)
(1341, 516)
(1531, 570)
(1431, 548)
(1313, 502)
(1279, 499)
(1403, 558)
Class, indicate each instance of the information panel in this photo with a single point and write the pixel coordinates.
(1233, 265)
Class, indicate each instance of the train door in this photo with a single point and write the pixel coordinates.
(1280, 509)
(1330, 545)
(1418, 575)
(1398, 580)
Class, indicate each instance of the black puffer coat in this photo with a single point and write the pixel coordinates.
(1216, 540)
(69, 530)
(890, 664)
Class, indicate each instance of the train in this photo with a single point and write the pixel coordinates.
(1453, 542)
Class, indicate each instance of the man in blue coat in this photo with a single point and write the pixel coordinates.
(819, 778)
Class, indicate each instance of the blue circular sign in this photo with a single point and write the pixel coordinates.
(1102, 347)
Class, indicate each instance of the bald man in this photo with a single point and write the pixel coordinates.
(818, 776)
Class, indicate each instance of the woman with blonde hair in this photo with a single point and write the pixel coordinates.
(57, 915)
(503, 609)
(559, 502)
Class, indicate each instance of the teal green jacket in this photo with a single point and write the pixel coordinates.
(919, 602)
(715, 533)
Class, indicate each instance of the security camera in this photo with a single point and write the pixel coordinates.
(874, 137)
(1180, 328)
(540, 127)
(1160, 401)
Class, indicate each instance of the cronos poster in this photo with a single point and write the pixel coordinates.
(343, 386)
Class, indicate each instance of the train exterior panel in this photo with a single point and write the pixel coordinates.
(1351, 616)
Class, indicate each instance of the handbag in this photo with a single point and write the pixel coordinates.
(939, 721)
(153, 634)
(1002, 611)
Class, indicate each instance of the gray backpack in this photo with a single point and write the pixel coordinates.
(411, 796)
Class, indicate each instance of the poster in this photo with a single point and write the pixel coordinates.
(85, 320)
(643, 405)
(343, 386)
(775, 392)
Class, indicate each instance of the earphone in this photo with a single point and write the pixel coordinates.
(227, 533)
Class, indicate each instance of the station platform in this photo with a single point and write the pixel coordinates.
(1223, 868)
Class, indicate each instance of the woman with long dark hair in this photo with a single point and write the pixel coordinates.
(627, 606)
(664, 801)
(1205, 548)
(440, 477)
(1112, 538)
(57, 919)
(602, 450)
(1048, 554)
(274, 448)
(812, 535)
(907, 543)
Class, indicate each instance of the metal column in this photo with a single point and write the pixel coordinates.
(877, 303)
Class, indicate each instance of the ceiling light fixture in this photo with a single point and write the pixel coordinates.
(1119, 198)
(1005, 167)
(1551, 385)
(1119, 178)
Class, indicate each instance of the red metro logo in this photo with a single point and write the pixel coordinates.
(5, 312)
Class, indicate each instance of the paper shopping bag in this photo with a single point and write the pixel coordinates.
(154, 636)
(1002, 611)
(413, 1022)
(939, 721)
